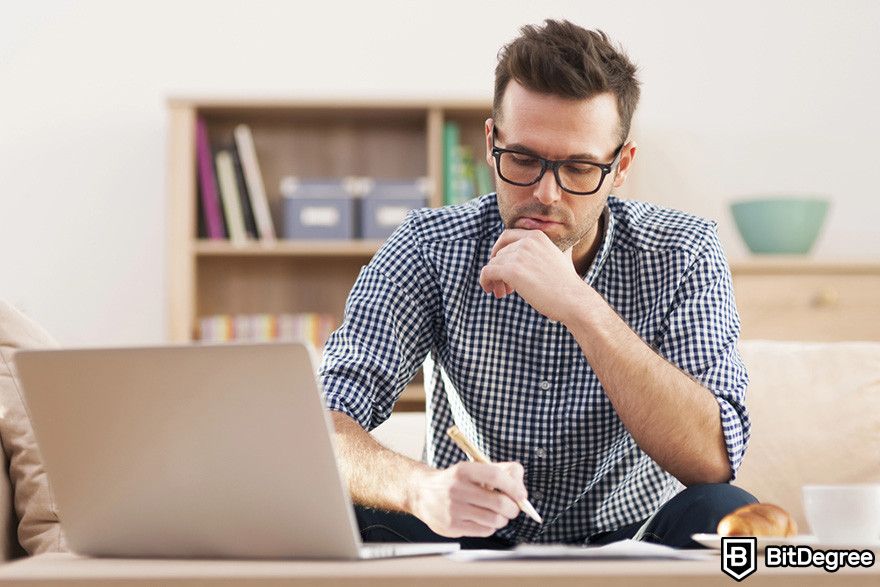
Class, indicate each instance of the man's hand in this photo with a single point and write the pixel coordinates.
(527, 262)
(462, 500)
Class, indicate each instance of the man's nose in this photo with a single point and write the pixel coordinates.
(547, 190)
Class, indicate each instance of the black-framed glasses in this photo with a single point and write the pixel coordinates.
(575, 176)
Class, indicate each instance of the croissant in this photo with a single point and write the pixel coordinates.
(757, 519)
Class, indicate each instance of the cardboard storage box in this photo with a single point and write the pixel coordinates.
(386, 204)
(319, 209)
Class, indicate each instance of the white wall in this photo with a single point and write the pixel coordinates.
(751, 97)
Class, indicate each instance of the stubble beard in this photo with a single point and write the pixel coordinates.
(565, 241)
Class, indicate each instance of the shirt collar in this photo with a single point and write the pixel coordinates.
(604, 249)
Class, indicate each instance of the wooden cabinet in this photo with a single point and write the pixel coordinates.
(798, 299)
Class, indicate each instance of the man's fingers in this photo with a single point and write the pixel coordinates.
(468, 528)
(510, 235)
(488, 499)
(492, 281)
(496, 477)
(482, 517)
(514, 469)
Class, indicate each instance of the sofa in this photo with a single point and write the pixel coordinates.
(815, 411)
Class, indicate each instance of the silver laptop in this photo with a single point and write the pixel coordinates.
(221, 451)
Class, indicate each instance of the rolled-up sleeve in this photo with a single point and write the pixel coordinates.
(386, 333)
(701, 337)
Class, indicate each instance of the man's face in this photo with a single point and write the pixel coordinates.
(557, 128)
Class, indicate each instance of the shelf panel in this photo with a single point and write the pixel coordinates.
(800, 264)
(288, 248)
(254, 106)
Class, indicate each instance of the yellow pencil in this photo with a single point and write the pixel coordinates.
(477, 456)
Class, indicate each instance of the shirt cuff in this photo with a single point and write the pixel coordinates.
(341, 396)
(735, 434)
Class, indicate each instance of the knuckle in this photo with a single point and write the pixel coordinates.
(483, 531)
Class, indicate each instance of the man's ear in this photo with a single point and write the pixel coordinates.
(490, 125)
(628, 153)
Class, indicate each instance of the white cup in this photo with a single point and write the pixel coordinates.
(843, 514)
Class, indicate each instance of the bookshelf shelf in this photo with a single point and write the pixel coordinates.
(288, 248)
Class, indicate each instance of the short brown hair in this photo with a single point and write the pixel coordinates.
(563, 59)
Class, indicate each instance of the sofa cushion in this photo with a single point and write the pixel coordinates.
(38, 527)
(815, 410)
(404, 433)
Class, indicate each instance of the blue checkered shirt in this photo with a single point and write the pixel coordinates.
(516, 382)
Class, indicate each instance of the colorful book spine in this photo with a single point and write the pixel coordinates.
(451, 139)
(465, 179)
(244, 141)
(230, 197)
(213, 217)
(312, 327)
(485, 183)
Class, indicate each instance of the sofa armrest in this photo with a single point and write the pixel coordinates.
(9, 546)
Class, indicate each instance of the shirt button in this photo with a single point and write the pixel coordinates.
(541, 452)
(537, 495)
(545, 385)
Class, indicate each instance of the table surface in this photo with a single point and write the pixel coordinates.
(426, 571)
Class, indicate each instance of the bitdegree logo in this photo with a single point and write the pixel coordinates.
(739, 557)
(804, 556)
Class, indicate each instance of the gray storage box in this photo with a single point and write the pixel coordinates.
(318, 209)
(386, 203)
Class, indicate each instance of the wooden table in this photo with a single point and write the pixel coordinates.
(429, 571)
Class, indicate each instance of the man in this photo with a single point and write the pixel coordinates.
(589, 343)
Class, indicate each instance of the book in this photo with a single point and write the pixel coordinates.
(451, 139)
(230, 197)
(465, 177)
(244, 141)
(250, 225)
(213, 217)
(201, 229)
(484, 179)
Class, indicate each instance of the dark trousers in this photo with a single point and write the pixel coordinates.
(697, 509)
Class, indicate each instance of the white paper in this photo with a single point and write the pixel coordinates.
(624, 549)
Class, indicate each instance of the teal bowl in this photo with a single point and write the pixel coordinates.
(780, 226)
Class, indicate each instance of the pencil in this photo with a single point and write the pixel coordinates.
(477, 456)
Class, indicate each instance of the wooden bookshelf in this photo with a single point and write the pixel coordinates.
(389, 139)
